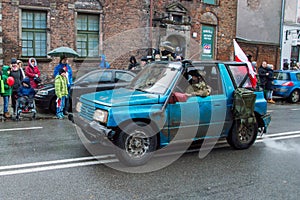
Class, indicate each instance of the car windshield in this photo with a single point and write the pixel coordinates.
(281, 76)
(156, 77)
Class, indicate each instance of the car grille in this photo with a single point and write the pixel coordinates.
(87, 112)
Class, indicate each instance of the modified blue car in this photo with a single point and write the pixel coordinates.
(287, 85)
(155, 110)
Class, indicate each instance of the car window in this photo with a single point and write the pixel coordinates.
(298, 76)
(123, 77)
(211, 75)
(282, 76)
(239, 72)
(99, 77)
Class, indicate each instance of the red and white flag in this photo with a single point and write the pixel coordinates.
(240, 56)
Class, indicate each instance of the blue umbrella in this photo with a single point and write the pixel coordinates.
(63, 51)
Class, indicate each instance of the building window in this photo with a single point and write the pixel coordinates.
(214, 2)
(34, 34)
(88, 35)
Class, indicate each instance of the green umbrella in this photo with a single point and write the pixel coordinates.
(63, 51)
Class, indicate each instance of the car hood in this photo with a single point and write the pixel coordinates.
(122, 97)
(47, 86)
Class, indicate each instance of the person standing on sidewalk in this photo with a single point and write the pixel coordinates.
(263, 73)
(269, 84)
(7, 90)
(63, 64)
(61, 91)
(17, 73)
(32, 71)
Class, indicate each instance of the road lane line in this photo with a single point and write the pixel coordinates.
(20, 129)
(279, 134)
(110, 158)
(53, 162)
(55, 167)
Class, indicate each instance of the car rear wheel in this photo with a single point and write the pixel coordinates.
(136, 144)
(242, 135)
(294, 96)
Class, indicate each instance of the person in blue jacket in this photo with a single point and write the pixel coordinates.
(63, 64)
(103, 63)
(25, 94)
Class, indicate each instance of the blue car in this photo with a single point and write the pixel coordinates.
(287, 84)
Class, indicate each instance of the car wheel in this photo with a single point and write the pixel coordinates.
(136, 144)
(242, 135)
(294, 96)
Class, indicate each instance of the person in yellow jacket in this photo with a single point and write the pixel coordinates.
(61, 91)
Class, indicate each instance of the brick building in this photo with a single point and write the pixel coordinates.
(197, 29)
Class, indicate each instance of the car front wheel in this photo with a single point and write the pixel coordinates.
(136, 144)
(294, 96)
(242, 135)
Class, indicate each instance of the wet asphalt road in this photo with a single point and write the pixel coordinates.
(268, 170)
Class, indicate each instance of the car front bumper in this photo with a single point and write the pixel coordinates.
(42, 103)
(93, 131)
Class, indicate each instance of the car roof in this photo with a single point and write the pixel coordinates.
(218, 62)
(102, 70)
(287, 71)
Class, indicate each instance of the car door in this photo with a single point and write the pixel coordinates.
(200, 117)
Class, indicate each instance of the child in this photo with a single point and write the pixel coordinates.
(7, 90)
(26, 94)
(61, 91)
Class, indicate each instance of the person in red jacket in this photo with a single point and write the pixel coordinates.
(32, 72)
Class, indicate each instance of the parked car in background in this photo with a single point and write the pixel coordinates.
(287, 84)
(97, 80)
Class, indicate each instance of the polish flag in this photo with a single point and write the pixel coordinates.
(240, 56)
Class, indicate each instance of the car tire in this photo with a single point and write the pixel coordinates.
(242, 135)
(294, 96)
(136, 144)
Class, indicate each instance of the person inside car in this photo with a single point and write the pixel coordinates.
(198, 86)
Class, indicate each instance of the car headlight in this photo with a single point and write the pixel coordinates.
(78, 106)
(100, 115)
(42, 92)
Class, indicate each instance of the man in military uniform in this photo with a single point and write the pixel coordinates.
(198, 85)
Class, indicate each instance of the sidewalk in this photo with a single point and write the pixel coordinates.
(39, 114)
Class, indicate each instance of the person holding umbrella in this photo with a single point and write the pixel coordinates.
(63, 64)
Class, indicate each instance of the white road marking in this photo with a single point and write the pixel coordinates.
(110, 158)
(20, 129)
(53, 162)
(295, 109)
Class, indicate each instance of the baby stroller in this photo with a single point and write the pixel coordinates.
(25, 105)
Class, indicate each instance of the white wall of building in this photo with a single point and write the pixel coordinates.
(259, 20)
(291, 29)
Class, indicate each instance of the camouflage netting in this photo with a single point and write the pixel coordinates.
(243, 104)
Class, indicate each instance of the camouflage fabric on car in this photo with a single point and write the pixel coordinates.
(243, 105)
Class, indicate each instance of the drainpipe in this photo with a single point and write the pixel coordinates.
(151, 22)
(281, 32)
